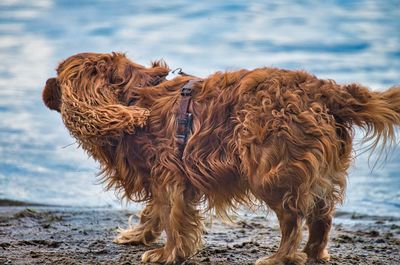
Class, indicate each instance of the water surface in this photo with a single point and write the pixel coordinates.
(348, 41)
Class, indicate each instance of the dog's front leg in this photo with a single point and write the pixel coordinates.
(182, 223)
(147, 231)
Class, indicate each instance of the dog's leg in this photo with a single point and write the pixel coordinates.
(290, 224)
(319, 225)
(146, 232)
(183, 226)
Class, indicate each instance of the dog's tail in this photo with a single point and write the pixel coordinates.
(378, 113)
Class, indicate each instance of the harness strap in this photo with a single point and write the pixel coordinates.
(184, 117)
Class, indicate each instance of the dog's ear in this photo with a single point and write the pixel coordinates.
(95, 115)
(52, 94)
(159, 71)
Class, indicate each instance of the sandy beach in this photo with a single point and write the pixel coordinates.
(32, 234)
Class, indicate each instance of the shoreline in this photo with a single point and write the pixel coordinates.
(341, 215)
(71, 235)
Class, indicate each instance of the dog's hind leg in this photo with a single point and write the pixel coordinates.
(146, 232)
(319, 224)
(182, 223)
(282, 182)
(290, 224)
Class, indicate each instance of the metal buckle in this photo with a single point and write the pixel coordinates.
(187, 121)
(181, 137)
(187, 88)
(182, 121)
(186, 91)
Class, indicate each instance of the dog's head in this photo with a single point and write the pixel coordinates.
(92, 92)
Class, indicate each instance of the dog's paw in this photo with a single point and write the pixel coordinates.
(160, 255)
(269, 261)
(154, 255)
(298, 258)
(323, 256)
(133, 235)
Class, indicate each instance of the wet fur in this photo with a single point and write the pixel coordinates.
(267, 135)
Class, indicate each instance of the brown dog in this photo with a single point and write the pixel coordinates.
(284, 137)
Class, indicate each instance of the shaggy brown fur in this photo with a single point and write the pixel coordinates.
(284, 137)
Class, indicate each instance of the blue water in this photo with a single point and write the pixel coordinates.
(349, 41)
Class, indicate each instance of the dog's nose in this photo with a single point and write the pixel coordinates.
(52, 94)
(51, 81)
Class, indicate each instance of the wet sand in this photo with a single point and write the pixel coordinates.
(57, 235)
